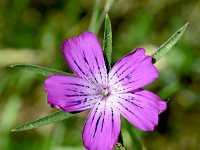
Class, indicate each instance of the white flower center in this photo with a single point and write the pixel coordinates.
(105, 91)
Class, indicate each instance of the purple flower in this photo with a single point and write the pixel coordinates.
(107, 94)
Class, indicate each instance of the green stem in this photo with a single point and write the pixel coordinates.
(102, 15)
(93, 21)
(136, 143)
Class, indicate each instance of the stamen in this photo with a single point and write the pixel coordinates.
(105, 91)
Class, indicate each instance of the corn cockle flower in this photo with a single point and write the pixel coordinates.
(107, 94)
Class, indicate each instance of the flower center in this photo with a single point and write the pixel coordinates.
(105, 92)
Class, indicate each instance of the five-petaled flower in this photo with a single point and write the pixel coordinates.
(107, 94)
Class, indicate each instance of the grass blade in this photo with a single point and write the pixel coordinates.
(52, 118)
(107, 42)
(41, 70)
(166, 47)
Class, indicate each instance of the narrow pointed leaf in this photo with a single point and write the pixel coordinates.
(107, 42)
(166, 47)
(41, 70)
(52, 118)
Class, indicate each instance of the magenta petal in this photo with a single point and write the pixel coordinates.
(141, 108)
(84, 56)
(102, 127)
(133, 71)
(70, 93)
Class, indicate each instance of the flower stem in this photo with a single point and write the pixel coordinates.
(93, 21)
(102, 15)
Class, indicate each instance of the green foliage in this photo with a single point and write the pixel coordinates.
(167, 46)
(40, 70)
(136, 142)
(52, 118)
(107, 42)
(93, 21)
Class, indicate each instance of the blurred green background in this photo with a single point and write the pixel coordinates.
(31, 31)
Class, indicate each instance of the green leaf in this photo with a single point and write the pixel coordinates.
(41, 70)
(107, 41)
(166, 47)
(52, 118)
